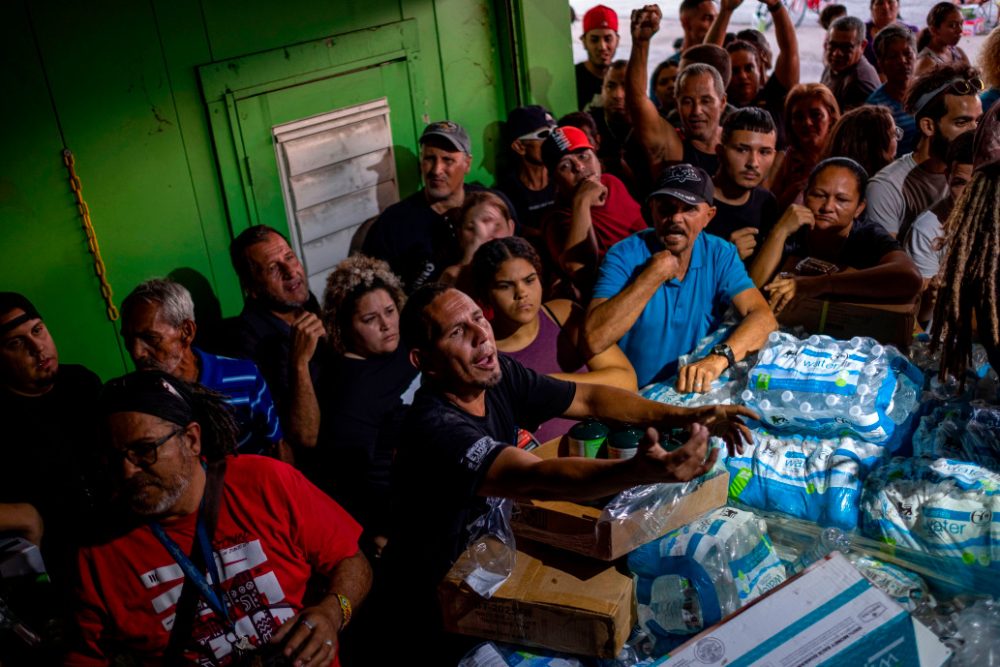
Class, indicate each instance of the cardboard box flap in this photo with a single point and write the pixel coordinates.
(553, 600)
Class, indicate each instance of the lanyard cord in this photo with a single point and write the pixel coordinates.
(208, 591)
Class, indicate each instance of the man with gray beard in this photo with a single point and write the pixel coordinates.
(212, 564)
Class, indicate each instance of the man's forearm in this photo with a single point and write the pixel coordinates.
(891, 282)
(604, 402)
(352, 578)
(655, 135)
(787, 66)
(768, 258)
(717, 33)
(752, 332)
(608, 321)
(303, 409)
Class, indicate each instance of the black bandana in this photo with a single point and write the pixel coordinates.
(150, 392)
(11, 301)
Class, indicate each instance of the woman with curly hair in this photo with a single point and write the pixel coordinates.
(545, 337)
(362, 393)
(989, 63)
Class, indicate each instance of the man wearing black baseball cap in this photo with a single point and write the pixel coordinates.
(48, 411)
(660, 291)
(414, 235)
(527, 183)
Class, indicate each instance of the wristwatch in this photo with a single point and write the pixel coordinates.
(724, 350)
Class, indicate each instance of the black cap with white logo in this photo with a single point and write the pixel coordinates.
(692, 185)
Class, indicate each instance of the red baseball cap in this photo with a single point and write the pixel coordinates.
(600, 17)
(563, 140)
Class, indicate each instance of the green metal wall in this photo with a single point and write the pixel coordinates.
(116, 82)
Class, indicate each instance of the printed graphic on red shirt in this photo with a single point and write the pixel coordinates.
(253, 596)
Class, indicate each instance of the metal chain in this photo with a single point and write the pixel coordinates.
(88, 227)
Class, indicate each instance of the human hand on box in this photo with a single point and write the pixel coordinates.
(685, 463)
(786, 287)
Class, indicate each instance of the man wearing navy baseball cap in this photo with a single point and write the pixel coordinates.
(414, 235)
(527, 183)
(660, 291)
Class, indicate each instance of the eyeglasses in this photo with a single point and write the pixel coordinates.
(537, 135)
(955, 86)
(899, 133)
(145, 454)
(845, 47)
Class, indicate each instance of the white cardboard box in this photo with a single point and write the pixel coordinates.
(829, 615)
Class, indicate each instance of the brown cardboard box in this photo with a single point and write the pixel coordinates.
(552, 600)
(892, 324)
(886, 323)
(578, 528)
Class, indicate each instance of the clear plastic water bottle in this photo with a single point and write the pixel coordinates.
(828, 541)
(675, 605)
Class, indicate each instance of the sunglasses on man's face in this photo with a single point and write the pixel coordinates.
(144, 454)
(971, 86)
(537, 135)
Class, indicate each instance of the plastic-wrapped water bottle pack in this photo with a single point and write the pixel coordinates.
(726, 388)
(903, 586)
(938, 506)
(691, 577)
(965, 432)
(816, 479)
(827, 387)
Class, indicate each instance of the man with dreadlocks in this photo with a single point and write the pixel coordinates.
(212, 564)
(970, 293)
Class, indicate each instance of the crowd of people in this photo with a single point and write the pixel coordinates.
(241, 494)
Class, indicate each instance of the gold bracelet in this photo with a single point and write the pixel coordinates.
(345, 609)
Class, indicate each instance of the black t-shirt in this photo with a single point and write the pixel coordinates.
(417, 241)
(530, 205)
(588, 86)
(867, 243)
(707, 161)
(622, 155)
(362, 405)
(49, 457)
(266, 339)
(444, 454)
(760, 211)
(771, 98)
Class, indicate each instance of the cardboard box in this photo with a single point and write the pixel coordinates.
(886, 323)
(579, 528)
(892, 324)
(552, 600)
(828, 615)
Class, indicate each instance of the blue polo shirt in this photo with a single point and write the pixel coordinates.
(903, 120)
(245, 390)
(681, 312)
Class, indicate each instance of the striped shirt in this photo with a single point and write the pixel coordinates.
(246, 391)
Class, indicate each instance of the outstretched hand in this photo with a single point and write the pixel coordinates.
(645, 23)
(689, 461)
(726, 422)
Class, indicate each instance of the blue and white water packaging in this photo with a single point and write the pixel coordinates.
(943, 507)
(827, 387)
(805, 477)
(693, 576)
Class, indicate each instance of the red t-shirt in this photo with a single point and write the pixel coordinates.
(619, 217)
(274, 530)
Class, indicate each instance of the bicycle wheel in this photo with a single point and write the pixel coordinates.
(796, 10)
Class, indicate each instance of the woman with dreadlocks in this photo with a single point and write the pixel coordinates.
(212, 565)
(970, 293)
